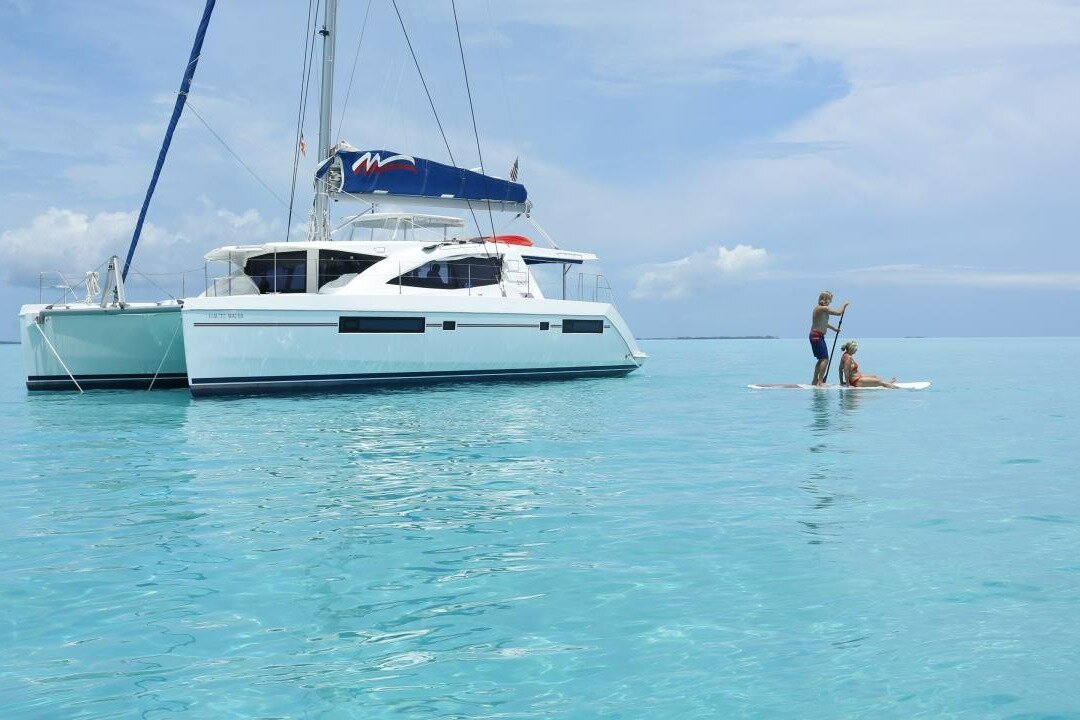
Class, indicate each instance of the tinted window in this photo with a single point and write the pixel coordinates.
(376, 324)
(583, 326)
(453, 274)
(283, 272)
(335, 263)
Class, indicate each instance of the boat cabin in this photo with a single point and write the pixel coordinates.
(391, 253)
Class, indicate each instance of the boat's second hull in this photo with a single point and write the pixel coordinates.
(319, 343)
(86, 347)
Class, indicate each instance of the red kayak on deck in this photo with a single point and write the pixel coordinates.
(510, 240)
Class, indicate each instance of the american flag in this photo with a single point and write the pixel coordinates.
(514, 171)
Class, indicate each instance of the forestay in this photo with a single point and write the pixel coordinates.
(388, 176)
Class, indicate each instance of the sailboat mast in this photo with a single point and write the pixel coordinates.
(178, 108)
(326, 101)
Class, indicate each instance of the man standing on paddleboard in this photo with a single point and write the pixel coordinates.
(819, 325)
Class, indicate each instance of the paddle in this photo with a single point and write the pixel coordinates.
(832, 352)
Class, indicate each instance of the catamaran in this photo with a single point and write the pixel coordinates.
(415, 299)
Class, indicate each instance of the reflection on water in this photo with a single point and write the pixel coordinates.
(849, 400)
(117, 410)
(113, 538)
(819, 412)
(818, 526)
(831, 425)
(832, 410)
(665, 545)
(368, 532)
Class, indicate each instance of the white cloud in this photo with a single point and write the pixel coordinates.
(956, 115)
(699, 271)
(65, 241)
(647, 42)
(952, 142)
(73, 243)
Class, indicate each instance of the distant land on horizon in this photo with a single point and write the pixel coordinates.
(715, 337)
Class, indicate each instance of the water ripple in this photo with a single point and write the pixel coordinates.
(670, 545)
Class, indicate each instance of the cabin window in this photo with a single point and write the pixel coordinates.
(449, 324)
(335, 263)
(380, 324)
(283, 272)
(453, 274)
(582, 326)
(545, 325)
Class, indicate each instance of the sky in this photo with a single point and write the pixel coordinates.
(726, 160)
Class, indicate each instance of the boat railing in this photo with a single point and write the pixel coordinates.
(235, 283)
(593, 287)
(175, 285)
(57, 287)
(69, 291)
(582, 286)
(563, 283)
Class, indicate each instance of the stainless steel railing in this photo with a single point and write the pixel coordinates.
(174, 285)
(582, 286)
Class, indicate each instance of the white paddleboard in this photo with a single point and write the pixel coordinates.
(921, 385)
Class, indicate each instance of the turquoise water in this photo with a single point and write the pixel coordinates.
(668, 545)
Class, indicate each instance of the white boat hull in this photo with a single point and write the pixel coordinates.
(102, 347)
(270, 343)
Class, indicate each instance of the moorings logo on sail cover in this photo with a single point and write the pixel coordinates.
(373, 163)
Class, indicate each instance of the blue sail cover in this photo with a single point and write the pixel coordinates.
(391, 176)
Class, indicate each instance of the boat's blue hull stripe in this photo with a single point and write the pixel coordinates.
(271, 382)
(114, 381)
(294, 383)
(405, 376)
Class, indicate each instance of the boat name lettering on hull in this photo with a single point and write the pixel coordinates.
(225, 315)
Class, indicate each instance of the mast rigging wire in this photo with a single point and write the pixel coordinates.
(356, 58)
(476, 134)
(423, 81)
(472, 112)
(501, 64)
(305, 84)
(431, 102)
(178, 109)
(191, 106)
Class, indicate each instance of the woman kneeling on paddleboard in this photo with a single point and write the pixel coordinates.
(849, 370)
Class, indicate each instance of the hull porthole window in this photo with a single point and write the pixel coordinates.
(582, 326)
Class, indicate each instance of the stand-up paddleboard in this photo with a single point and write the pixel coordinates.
(921, 385)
